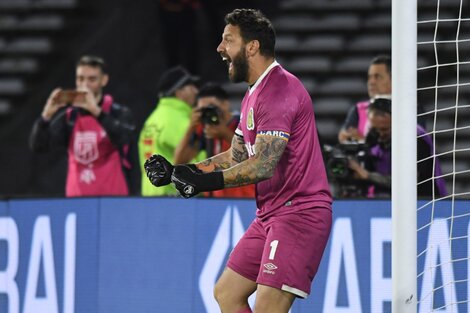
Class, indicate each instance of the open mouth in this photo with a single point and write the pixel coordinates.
(228, 61)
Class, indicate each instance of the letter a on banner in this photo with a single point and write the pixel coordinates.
(342, 250)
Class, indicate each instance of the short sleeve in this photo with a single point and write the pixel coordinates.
(276, 113)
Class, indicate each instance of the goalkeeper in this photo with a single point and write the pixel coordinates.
(275, 147)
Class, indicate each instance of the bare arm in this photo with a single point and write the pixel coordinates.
(268, 152)
(260, 166)
(374, 177)
(234, 155)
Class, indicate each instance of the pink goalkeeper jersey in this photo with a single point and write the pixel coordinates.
(279, 105)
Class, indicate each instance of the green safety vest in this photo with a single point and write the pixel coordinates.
(162, 132)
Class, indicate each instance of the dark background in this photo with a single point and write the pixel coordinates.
(129, 36)
(328, 44)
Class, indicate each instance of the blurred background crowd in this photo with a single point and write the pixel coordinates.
(328, 44)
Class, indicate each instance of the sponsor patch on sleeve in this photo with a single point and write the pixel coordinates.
(276, 133)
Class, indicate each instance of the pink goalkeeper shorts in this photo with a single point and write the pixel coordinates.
(283, 252)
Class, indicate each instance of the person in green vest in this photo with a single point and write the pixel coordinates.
(167, 124)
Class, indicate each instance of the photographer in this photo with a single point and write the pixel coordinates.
(378, 170)
(211, 129)
(96, 131)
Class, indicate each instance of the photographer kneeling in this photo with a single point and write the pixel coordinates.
(211, 129)
(378, 170)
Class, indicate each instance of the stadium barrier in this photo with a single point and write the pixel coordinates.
(163, 255)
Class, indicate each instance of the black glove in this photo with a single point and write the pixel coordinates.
(190, 181)
(158, 170)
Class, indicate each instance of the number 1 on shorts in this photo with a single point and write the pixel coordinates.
(273, 245)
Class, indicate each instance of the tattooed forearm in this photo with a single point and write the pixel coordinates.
(268, 150)
(239, 152)
(238, 156)
(221, 161)
(216, 163)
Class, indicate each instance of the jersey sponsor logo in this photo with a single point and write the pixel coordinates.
(275, 133)
(250, 120)
(85, 147)
(269, 268)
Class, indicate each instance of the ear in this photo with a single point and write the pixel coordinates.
(252, 47)
(104, 80)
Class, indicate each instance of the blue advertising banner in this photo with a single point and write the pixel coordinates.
(164, 255)
(49, 256)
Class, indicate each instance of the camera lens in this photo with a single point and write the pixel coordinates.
(338, 167)
(210, 115)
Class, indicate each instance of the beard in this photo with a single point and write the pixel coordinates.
(240, 68)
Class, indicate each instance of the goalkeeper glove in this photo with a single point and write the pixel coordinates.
(190, 181)
(158, 170)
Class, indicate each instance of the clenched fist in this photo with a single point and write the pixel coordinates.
(158, 170)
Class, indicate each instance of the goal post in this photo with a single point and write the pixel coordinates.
(404, 156)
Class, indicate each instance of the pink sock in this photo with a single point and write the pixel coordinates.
(247, 310)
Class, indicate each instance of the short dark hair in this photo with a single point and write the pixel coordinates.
(93, 61)
(212, 90)
(380, 106)
(254, 25)
(385, 60)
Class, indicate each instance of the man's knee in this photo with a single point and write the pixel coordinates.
(228, 297)
(219, 292)
(269, 300)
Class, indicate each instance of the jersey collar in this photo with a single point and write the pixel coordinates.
(258, 81)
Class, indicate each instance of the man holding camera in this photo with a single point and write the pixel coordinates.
(211, 129)
(96, 131)
(377, 171)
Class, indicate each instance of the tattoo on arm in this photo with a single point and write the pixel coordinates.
(218, 162)
(268, 152)
(239, 152)
(236, 154)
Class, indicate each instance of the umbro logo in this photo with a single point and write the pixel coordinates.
(269, 268)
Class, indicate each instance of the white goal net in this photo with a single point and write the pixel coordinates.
(443, 85)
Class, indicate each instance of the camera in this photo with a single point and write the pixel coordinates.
(210, 115)
(338, 158)
(337, 167)
(69, 96)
